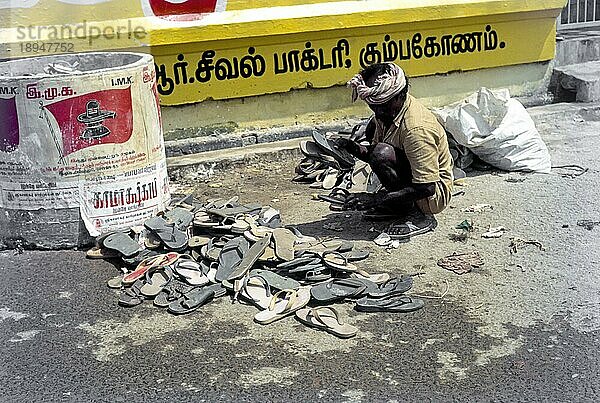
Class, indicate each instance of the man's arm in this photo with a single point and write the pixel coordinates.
(416, 191)
(360, 151)
(405, 196)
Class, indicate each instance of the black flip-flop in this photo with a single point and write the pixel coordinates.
(337, 289)
(195, 298)
(171, 237)
(392, 303)
(122, 243)
(231, 256)
(250, 257)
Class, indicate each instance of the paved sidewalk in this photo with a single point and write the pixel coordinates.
(524, 327)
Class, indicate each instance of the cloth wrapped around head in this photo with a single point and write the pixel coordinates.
(385, 87)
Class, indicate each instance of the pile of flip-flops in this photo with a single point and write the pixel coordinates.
(196, 252)
(325, 166)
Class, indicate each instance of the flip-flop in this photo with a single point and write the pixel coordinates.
(284, 240)
(318, 247)
(282, 304)
(317, 275)
(254, 289)
(100, 252)
(132, 296)
(355, 255)
(180, 217)
(328, 319)
(233, 212)
(336, 196)
(346, 246)
(148, 263)
(198, 241)
(268, 255)
(343, 157)
(250, 257)
(269, 217)
(330, 179)
(138, 258)
(275, 280)
(122, 243)
(414, 225)
(195, 298)
(171, 236)
(156, 279)
(115, 282)
(360, 176)
(300, 238)
(312, 150)
(171, 292)
(190, 272)
(231, 256)
(314, 264)
(379, 278)
(336, 289)
(393, 286)
(391, 303)
(337, 261)
(305, 259)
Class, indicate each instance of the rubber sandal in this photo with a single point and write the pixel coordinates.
(180, 217)
(171, 292)
(132, 296)
(318, 275)
(138, 258)
(300, 238)
(336, 289)
(198, 241)
(250, 257)
(170, 236)
(392, 303)
(148, 263)
(190, 272)
(379, 278)
(312, 150)
(283, 303)
(414, 225)
(231, 256)
(275, 280)
(355, 255)
(155, 280)
(121, 243)
(330, 178)
(393, 286)
(299, 262)
(343, 157)
(318, 247)
(254, 289)
(336, 196)
(337, 261)
(284, 240)
(99, 252)
(115, 282)
(328, 319)
(195, 298)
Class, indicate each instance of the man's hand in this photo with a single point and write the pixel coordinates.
(346, 144)
(362, 201)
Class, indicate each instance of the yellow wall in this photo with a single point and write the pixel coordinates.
(237, 48)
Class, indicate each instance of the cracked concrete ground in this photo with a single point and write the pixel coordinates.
(523, 327)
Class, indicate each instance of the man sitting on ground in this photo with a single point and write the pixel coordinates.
(408, 148)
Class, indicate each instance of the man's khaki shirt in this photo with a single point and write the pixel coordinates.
(417, 132)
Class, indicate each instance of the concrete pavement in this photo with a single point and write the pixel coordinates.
(524, 327)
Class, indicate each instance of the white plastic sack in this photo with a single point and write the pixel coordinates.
(498, 130)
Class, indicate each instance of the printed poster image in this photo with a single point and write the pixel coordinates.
(93, 144)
